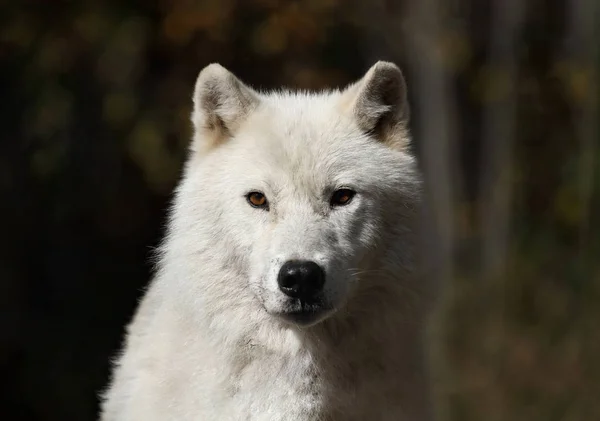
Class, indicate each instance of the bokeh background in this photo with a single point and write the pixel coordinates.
(95, 99)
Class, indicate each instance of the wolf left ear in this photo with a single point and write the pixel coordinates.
(221, 104)
(378, 103)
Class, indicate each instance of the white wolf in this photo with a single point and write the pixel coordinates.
(286, 281)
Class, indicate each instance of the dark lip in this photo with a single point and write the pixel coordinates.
(303, 314)
(302, 318)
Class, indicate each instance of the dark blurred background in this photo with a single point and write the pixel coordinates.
(94, 111)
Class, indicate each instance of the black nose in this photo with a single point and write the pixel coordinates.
(301, 279)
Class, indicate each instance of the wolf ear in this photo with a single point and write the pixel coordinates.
(221, 103)
(379, 104)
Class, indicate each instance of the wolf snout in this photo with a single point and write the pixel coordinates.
(301, 279)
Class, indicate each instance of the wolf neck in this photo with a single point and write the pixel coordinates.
(352, 360)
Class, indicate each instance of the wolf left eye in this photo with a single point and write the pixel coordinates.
(257, 200)
(342, 197)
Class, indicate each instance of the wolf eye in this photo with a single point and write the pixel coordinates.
(257, 200)
(342, 197)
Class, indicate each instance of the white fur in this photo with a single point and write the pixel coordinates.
(207, 342)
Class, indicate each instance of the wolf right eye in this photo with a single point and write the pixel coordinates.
(257, 200)
(342, 197)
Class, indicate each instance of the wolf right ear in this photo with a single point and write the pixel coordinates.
(378, 102)
(221, 103)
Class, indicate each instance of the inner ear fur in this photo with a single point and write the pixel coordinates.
(221, 104)
(378, 102)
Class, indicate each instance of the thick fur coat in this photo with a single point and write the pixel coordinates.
(214, 337)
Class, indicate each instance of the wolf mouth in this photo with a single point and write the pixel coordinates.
(305, 313)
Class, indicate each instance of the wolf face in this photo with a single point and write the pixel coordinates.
(305, 184)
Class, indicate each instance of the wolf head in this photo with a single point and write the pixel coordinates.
(298, 199)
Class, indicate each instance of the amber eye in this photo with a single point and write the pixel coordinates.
(257, 200)
(342, 197)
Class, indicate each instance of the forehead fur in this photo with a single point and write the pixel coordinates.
(309, 135)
